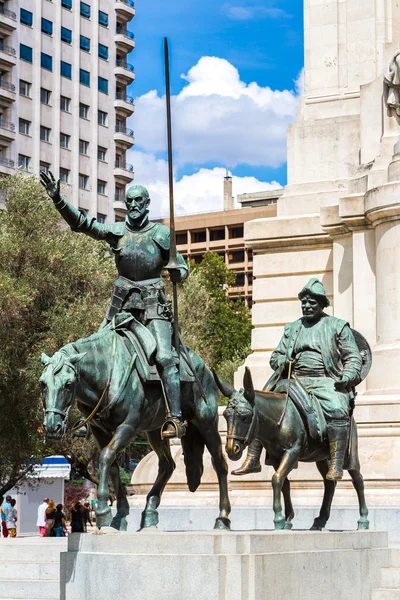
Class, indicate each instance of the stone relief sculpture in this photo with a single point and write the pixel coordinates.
(392, 81)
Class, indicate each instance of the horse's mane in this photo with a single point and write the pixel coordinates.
(61, 357)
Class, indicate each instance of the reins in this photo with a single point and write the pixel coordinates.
(287, 393)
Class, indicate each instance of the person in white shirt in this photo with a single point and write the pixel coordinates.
(41, 518)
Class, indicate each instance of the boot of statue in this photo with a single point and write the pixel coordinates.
(252, 463)
(338, 438)
(173, 426)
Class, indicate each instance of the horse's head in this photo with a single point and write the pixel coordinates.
(239, 415)
(58, 382)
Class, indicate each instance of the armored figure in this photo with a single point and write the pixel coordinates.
(318, 363)
(141, 250)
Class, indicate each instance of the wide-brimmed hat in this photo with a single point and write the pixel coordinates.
(316, 288)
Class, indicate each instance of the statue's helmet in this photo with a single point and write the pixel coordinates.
(315, 288)
(136, 191)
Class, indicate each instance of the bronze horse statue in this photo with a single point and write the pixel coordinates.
(251, 415)
(119, 403)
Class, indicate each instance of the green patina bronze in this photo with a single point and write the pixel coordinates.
(305, 412)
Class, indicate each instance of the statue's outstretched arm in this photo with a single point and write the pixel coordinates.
(76, 218)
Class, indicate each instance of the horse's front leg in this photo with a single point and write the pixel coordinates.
(330, 486)
(124, 434)
(358, 483)
(166, 467)
(119, 521)
(287, 463)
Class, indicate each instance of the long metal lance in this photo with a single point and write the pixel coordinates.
(173, 262)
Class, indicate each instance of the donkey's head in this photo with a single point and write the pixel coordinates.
(58, 382)
(239, 415)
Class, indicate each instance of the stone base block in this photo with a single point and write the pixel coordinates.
(220, 565)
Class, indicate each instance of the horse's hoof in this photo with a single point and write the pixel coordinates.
(119, 523)
(316, 528)
(223, 524)
(104, 519)
(149, 519)
(363, 524)
(279, 522)
(288, 525)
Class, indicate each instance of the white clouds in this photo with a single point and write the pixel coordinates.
(200, 192)
(241, 13)
(218, 118)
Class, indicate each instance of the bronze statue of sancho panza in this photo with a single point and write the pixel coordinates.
(318, 363)
(141, 250)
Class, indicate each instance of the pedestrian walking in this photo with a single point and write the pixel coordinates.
(49, 516)
(77, 518)
(11, 518)
(59, 527)
(86, 516)
(6, 505)
(41, 519)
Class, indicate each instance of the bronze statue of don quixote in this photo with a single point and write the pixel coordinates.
(136, 375)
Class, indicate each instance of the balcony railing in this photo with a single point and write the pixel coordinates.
(123, 165)
(125, 130)
(123, 31)
(121, 62)
(124, 97)
(7, 49)
(7, 162)
(7, 125)
(7, 86)
(7, 13)
(128, 2)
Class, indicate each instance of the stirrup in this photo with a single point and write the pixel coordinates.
(178, 429)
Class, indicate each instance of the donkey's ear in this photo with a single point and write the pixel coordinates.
(225, 389)
(76, 357)
(44, 359)
(249, 392)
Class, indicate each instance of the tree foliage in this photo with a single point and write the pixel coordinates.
(54, 287)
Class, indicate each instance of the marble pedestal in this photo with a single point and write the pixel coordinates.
(221, 565)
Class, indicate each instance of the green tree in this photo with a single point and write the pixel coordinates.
(54, 288)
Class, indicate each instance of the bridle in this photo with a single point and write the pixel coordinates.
(246, 439)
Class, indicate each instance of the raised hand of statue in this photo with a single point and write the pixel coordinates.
(51, 185)
(342, 385)
(175, 275)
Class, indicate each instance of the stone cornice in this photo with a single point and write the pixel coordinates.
(383, 203)
(284, 233)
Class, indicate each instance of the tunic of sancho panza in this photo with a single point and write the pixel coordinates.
(323, 353)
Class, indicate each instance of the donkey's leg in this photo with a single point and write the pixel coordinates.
(325, 511)
(124, 434)
(289, 510)
(358, 483)
(213, 442)
(287, 463)
(166, 467)
(119, 521)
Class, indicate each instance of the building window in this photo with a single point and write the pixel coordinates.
(24, 161)
(83, 111)
(250, 278)
(64, 140)
(65, 104)
(66, 70)
(45, 96)
(44, 167)
(24, 88)
(45, 133)
(103, 85)
(83, 147)
(236, 232)
(181, 238)
(24, 126)
(66, 4)
(85, 10)
(101, 153)
(25, 53)
(239, 281)
(119, 194)
(46, 61)
(102, 118)
(47, 26)
(84, 77)
(103, 18)
(101, 187)
(101, 218)
(85, 43)
(83, 181)
(197, 259)
(103, 51)
(66, 35)
(217, 235)
(236, 257)
(199, 236)
(249, 255)
(26, 17)
(64, 175)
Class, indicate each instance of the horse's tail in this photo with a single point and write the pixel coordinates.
(193, 449)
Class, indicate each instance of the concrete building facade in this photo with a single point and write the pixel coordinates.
(63, 96)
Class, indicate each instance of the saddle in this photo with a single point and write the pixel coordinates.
(140, 341)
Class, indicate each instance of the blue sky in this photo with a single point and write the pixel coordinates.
(263, 41)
